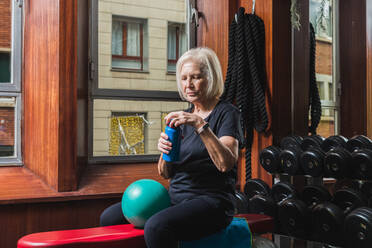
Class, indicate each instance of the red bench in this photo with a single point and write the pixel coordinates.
(116, 236)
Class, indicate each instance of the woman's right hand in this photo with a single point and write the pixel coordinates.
(164, 145)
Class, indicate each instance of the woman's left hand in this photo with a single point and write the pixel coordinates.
(175, 119)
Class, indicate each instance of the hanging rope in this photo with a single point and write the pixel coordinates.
(314, 99)
(245, 82)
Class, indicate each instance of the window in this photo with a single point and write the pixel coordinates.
(176, 44)
(133, 46)
(10, 82)
(127, 43)
(323, 19)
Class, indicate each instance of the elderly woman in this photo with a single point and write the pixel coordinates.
(202, 183)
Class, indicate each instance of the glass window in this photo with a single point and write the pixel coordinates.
(127, 38)
(10, 82)
(133, 47)
(177, 44)
(323, 20)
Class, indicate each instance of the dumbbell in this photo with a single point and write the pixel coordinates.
(358, 228)
(282, 190)
(292, 212)
(328, 217)
(241, 203)
(312, 195)
(269, 159)
(362, 164)
(337, 163)
(333, 142)
(259, 197)
(293, 217)
(365, 188)
(312, 161)
(312, 141)
(290, 141)
(290, 155)
(359, 142)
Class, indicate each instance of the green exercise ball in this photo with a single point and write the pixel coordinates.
(142, 199)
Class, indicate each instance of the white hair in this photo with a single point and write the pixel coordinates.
(210, 68)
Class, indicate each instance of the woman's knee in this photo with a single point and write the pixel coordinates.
(112, 215)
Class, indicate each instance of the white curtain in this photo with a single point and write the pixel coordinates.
(117, 38)
(172, 39)
(133, 39)
(183, 41)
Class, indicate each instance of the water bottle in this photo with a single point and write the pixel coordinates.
(174, 136)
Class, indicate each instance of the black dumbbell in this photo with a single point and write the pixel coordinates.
(293, 217)
(366, 190)
(337, 163)
(290, 141)
(362, 164)
(313, 195)
(282, 190)
(256, 186)
(269, 159)
(358, 228)
(328, 217)
(333, 142)
(241, 203)
(312, 161)
(359, 142)
(312, 141)
(259, 199)
(290, 160)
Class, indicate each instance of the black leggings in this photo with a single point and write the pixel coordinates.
(189, 220)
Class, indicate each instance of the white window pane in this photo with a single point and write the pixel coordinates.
(133, 39)
(172, 38)
(125, 63)
(117, 38)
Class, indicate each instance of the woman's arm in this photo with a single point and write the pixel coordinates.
(163, 168)
(224, 151)
(164, 146)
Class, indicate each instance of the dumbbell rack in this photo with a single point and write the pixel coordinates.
(285, 241)
(288, 241)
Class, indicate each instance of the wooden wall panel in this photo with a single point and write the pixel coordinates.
(50, 91)
(21, 219)
(41, 88)
(353, 67)
(214, 26)
(369, 67)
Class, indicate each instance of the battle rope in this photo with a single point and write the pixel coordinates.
(245, 82)
(314, 99)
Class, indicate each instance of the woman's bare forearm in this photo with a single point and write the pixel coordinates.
(224, 154)
(163, 168)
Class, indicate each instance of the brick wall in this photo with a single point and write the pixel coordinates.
(323, 57)
(5, 24)
(7, 126)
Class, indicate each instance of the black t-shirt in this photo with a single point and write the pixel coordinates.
(195, 174)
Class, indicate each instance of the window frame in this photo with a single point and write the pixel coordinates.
(125, 56)
(120, 94)
(14, 87)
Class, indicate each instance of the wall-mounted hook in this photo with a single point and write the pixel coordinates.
(195, 16)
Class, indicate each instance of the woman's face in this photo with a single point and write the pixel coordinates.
(193, 83)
